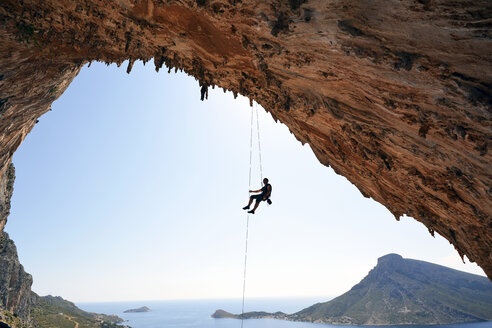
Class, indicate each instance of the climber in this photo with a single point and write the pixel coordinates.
(203, 92)
(265, 194)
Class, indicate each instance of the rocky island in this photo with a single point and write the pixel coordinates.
(140, 309)
(399, 291)
(221, 314)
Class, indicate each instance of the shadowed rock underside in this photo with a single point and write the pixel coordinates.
(15, 283)
(393, 95)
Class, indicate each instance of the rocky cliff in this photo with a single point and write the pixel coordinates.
(394, 95)
(6, 189)
(15, 283)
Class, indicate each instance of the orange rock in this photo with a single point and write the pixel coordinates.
(394, 95)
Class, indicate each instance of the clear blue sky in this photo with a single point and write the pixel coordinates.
(131, 188)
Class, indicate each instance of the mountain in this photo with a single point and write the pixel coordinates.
(404, 291)
(50, 311)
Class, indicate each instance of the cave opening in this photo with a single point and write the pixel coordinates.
(131, 178)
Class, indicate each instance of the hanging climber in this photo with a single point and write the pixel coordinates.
(204, 92)
(265, 194)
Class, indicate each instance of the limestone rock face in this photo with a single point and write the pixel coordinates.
(394, 95)
(6, 190)
(15, 283)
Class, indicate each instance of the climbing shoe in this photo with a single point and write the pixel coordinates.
(246, 208)
(252, 212)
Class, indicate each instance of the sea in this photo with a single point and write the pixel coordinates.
(197, 313)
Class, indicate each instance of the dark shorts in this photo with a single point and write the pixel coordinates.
(258, 197)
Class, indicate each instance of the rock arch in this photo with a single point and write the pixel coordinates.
(394, 95)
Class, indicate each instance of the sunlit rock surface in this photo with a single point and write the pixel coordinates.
(394, 95)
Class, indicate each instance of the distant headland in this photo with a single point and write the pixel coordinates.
(399, 291)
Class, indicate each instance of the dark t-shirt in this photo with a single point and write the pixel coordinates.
(264, 190)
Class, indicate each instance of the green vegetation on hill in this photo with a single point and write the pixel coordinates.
(55, 312)
(12, 320)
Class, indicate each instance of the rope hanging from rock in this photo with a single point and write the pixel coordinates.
(249, 182)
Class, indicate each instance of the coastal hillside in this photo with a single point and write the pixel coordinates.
(403, 291)
(49, 311)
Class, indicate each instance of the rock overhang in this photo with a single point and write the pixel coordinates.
(395, 96)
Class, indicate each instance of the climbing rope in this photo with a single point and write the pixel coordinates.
(244, 277)
(259, 146)
(249, 182)
(251, 147)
